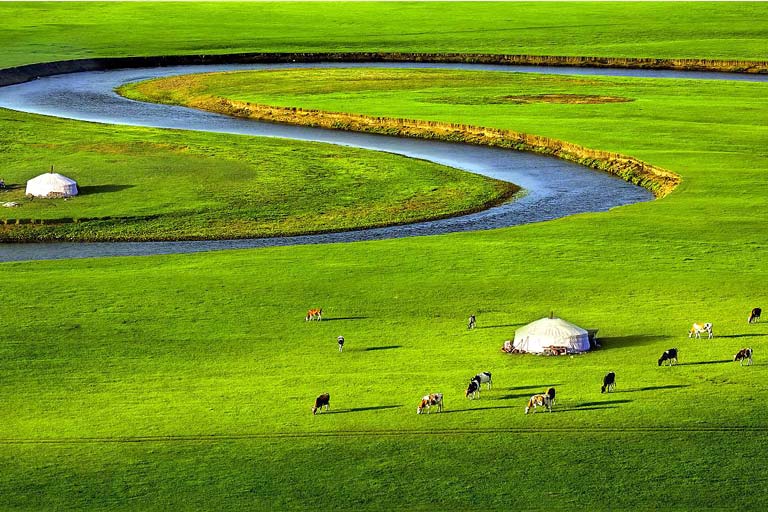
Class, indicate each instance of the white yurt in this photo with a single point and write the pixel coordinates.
(51, 184)
(542, 335)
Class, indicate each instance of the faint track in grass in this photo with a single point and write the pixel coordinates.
(380, 433)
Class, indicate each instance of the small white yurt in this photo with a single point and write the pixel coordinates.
(51, 184)
(538, 337)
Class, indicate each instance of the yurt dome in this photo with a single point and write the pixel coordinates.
(51, 184)
(540, 336)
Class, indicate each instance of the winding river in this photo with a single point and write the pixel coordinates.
(554, 188)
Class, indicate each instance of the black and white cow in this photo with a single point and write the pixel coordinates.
(609, 382)
(551, 394)
(476, 383)
(742, 355)
(700, 327)
(669, 355)
(323, 400)
(754, 316)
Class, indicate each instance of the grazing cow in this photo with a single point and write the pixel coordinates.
(698, 328)
(430, 400)
(320, 402)
(754, 316)
(473, 390)
(472, 322)
(551, 394)
(340, 339)
(669, 355)
(609, 382)
(314, 314)
(476, 382)
(744, 354)
(539, 401)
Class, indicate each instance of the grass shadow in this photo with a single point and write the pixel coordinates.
(325, 319)
(577, 409)
(531, 391)
(655, 388)
(608, 342)
(742, 335)
(599, 404)
(481, 409)
(101, 189)
(363, 409)
(706, 362)
(387, 347)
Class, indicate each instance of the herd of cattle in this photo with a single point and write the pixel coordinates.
(546, 399)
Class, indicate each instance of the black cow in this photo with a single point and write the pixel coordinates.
(754, 316)
(669, 355)
(551, 395)
(323, 400)
(609, 382)
(744, 354)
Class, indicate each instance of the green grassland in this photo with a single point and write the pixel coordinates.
(186, 381)
(45, 31)
(143, 184)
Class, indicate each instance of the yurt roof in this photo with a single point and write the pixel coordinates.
(52, 178)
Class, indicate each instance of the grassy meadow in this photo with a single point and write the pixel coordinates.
(143, 184)
(46, 31)
(186, 381)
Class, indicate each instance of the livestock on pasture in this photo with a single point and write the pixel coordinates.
(754, 315)
(742, 355)
(476, 382)
(551, 394)
(670, 356)
(323, 400)
(472, 322)
(700, 327)
(473, 390)
(314, 314)
(340, 339)
(609, 382)
(430, 400)
(539, 401)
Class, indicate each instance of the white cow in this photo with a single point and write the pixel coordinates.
(700, 327)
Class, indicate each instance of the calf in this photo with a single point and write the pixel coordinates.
(430, 400)
(698, 328)
(320, 402)
(669, 355)
(744, 354)
(314, 314)
(754, 316)
(539, 401)
(609, 382)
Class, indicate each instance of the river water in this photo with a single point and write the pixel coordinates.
(553, 188)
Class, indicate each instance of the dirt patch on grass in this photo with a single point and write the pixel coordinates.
(576, 99)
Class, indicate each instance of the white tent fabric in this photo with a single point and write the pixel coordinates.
(51, 184)
(551, 332)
